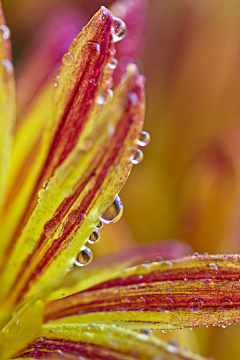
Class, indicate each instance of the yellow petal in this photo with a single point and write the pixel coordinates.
(185, 293)
(92, 341)
(82, 188)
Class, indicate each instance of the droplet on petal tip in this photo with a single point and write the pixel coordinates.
(4, 33)
(144, 139)
(68, 59)
(119, 29)
(84, 257)
(113, 213)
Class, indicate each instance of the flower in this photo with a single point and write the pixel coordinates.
(56, 193)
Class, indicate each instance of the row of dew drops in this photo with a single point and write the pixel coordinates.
(112, 214)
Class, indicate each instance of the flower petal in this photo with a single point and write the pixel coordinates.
(7, 103)
(92, 341)
(82, 188)
(185, 293)
(102, 268)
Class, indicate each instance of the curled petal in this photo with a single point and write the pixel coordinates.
(185, 293)
(92, 341)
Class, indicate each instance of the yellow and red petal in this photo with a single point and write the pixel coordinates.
(102, 268)
(7, 104)
(82, 188)
(44, 54)
(100, 342)
(185, 293)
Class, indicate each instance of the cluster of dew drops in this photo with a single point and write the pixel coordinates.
(114, 212)
(4, 36)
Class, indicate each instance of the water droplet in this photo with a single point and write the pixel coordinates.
(4, 33)
(144, 139)
(164, 331)
(14, 325)
(68, 59)
(166, 302)
(213, 268)
(99, 225)
(104, 96)
(84, 257)
(91, 50)
(8, 66)
(113, 213)
(138, 157)
(45, 184)
(113, 64)
(133, 99)
(94, 237)
(195, 304)
(119, 29)
(226, 303)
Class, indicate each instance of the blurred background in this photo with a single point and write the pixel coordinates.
(188, 186)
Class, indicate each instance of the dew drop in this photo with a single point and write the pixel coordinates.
(92, 49)
(99, 225)
(195, 304)
(4, 33)
(14, 325)
(138, 157)
(213, 268)
(84, 257)
(113, 213)
(144, 139)
(166, 302)
(94, 237)
(119, 29)
(226, 303)
(68, 59)
(113, 64)
(8, 66)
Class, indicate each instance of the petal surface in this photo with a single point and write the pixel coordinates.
(185, 293)
(100, 342)
(102, 268)
(82, 188)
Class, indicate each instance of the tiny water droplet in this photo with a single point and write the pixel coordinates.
(68, 59)
(164, 331)
(84, 257)
(195, 304)
(113, 64)
(8, 66)
(99, 225)
(226, 303)
(213, 268)
(138, 157)
(144, 139)
(92, 49)
(4, 33)
(14, 325)
(94, 237)
(119, 29)
(113, 213)
(45, 184)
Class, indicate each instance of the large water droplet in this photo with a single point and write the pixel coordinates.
(119, 29)
(68, 59)
(113, 64)
(138, 157)
(113, 213)
(213, 268)
(195, 304)
(84, 257)
(92, 49)
(166, 302)
(94, 237)
(144, 139)
(4, 33)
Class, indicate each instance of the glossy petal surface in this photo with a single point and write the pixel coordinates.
(190, 292)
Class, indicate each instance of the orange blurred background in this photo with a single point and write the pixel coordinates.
(188, 185)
